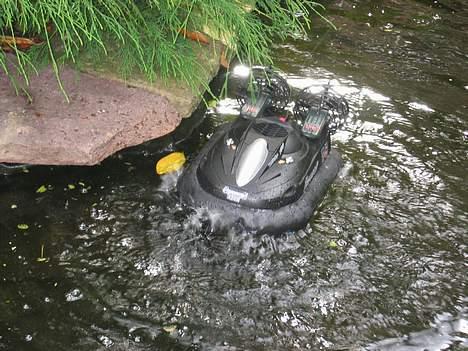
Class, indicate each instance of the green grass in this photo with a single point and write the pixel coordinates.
(144, 35)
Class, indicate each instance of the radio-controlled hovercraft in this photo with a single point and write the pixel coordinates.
(268, 169)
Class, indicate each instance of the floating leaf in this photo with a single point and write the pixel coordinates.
(332, 244)
(169, 328)
(42, 258)
(81, 183)
(41, 189)
(212, 103)
(23, 226)
(71, 186)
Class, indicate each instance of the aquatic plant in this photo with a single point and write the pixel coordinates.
(143, 35)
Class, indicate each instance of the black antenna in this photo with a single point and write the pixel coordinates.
(324, 95)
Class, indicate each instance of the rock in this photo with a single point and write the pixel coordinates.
(105, 114)
(102, 117)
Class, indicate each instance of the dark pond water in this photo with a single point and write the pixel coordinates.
(126, 267)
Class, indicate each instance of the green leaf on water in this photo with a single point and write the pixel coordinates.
(332, 244)
(23, 226)
(71, 186)
(212, 103)
(41, 189)
(42, 258)
(169, 328)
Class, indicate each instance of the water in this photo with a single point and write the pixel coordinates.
(382, 265)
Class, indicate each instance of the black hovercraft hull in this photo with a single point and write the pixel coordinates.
(293, 216)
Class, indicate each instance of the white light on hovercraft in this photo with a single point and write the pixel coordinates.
(241, 71)
(252, 160)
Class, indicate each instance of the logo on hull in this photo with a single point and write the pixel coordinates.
(233, 195)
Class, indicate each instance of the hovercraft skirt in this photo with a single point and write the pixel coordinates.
(291, 217)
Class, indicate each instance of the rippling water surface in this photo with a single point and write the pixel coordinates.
(382, 265)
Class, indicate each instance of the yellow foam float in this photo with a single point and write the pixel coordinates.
(170, 163)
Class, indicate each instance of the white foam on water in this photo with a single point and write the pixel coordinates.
(446, 331)
(169, 180)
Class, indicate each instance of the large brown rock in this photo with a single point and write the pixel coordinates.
(102, 116)
(104, 113)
